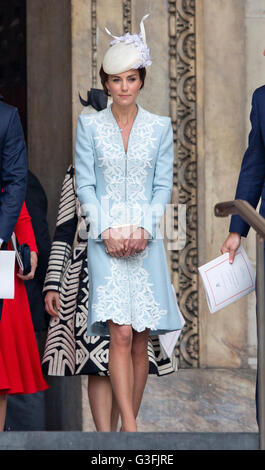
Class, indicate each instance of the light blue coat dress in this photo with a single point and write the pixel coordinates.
(117, 189)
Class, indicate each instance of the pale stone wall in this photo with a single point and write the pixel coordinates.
(155, 95)
(231, 64)
(49, 107)
(221, 142)
(81, 49)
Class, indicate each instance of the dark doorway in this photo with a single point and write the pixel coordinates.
(13, 65)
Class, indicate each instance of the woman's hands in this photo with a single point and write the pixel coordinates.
(122, 244)
(114, 242)
(52, 303)
(34, 263)
(136, 242)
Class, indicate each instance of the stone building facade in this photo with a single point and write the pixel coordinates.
(207, 60)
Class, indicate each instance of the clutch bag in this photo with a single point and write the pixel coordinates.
(22, 255)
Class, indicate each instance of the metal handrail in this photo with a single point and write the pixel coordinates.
(246, 211)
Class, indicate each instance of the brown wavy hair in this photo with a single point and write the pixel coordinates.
(105, 76)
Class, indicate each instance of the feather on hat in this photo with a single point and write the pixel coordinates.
(127, 52)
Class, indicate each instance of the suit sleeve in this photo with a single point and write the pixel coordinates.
(86, 182)
(37, 205)
(252, 174)
(13, 176)
(162, 184)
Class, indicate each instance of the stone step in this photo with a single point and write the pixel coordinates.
(77, 440)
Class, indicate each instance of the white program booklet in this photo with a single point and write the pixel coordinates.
(169, 340)
(224, 282)
(7, 269)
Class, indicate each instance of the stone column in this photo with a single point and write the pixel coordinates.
(50, 149)
(49, 95)
(221, 142)
(81, 51)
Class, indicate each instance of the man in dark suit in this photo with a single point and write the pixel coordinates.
(13, 171)
(251, 181)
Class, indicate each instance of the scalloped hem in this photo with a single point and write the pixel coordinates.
(100, 328)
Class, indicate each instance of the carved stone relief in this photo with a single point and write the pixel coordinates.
(127, 20)
(183, 113)
(94, 41)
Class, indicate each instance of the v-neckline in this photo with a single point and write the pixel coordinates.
(133, 125)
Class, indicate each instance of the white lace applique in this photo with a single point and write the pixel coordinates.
(127, 298)
(125, 174)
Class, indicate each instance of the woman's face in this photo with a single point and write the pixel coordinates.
(124, 87)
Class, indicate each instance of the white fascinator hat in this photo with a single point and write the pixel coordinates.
(127, 52)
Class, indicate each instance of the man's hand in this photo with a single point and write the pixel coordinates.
(33, 262)
(231, 244)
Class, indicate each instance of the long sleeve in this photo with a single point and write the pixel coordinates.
(63, 239)
(86, 181)
(24, 230)
(37, 205)
(252, 174)
(162, 184)
(13, 176)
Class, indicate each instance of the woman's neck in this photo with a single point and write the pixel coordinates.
(124, 112)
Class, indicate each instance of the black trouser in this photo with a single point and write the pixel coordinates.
(26, 412)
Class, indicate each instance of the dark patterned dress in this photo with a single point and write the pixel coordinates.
(68, 349)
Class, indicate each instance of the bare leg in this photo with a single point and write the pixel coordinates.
(3, 402)
(101, 403)
(114, 413)
(121, 372)
(140, 366)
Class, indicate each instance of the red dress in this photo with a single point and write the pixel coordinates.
(20, 367)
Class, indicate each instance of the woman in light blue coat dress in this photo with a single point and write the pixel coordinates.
(124, 172)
